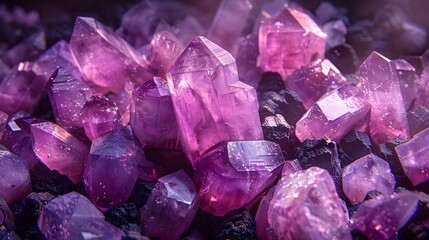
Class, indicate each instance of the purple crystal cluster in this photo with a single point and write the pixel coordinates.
(229, 120)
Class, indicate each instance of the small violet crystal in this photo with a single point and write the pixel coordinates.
(15, 184)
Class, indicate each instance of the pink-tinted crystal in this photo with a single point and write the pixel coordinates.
(334, 115)
(111, 169)
(57, 56)
(305, 205)
(171, 207)
(209, 101)
(313, 80)
(68, 94)
(229, 22)
(72, 216)
(162, 52)
(21, 90)
(366, 174)
(152, 115)
(15, 184)
(408, 80)
(289, 40)
(106, 60)
(122, 99)
(382, 217)
(18, 140)
(59, 150)
(100, 115)
(262, 227)
(414, 159)
(291, 166)
(230, 175)
(380, 82)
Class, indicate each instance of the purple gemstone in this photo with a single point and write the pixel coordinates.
(209, 101)
(123, 101)
(106, 60)
(262, 227)
(72, 216)
(408, 80)
(111, 169)
(18, 140)
(312, 81)
(58, 149)
(3, 121)
(366, 174)
(100, 115)
(336, 32)
(296, 209)
(6, 218)
(334, 115)
(57, 56)
(229, 23)
(26, 50)
(291, 166)
(68, 94)
(171, 207)
(230, 175)
(21, 90)
(382, 217)
(162, 52)
(380, 81)
(289, 40)
(152, 116)
(15, 184)
(413, 156)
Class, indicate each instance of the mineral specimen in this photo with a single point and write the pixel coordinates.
(230, 175)
(111, 169)
(72, 216)
(366, 174)
(289, 40)
(334, 115)
(171, 207)
(209, 101)
(16, 178)
(58, 149)
(412, 156)
(381, 81)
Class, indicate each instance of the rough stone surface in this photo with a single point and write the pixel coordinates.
(209, 100)
(230, 175)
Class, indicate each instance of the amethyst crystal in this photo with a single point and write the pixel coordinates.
(58, 149)
(171, 207)
(72, 216)
(111, 169)
(152, 115)
(289, 40)
(334, 115)
(413, 157)
(100, 115)
(6, 224)
(106, 60)
(68, 95)
(231, 175)
(295, 208)
(366, 174)
(380, 81)
(209, 101)
(15, 184)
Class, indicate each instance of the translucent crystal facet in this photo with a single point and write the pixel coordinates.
(367, 174)
(230, 175)
(72, 216)
(295, 209)
(171, 207)
(334, 115)
(58, 149)
(111, 169)
(100, 115)
(106, 60)
(382, 217)
(15, 184)
(380, 82)
(408, 80)
(313, 80)
(68, 94)
(209, 101)
(152, 115)
(289, 40)
(413, 156)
